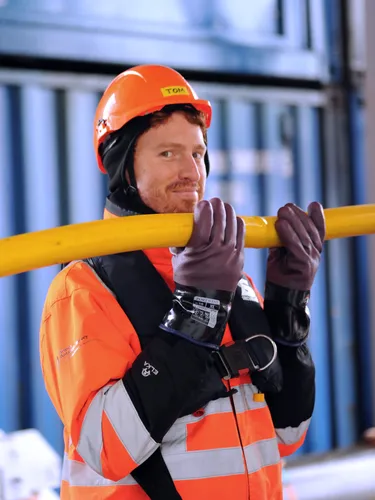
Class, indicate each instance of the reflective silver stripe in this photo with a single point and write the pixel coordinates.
(188, 465)
(261, 454)
(116, 403)
(243, 401)
(80, 474)
(204, 464)
(220, 462)
(127, 424)
(91, 439)
(291, 435)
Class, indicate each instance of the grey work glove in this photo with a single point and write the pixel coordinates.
(206, 273)
(213, 258)
(294, 265)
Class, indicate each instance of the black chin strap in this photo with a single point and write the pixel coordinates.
(127, 165)
(122, 203)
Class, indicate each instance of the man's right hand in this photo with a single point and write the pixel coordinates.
(206, 273)
(213, 258)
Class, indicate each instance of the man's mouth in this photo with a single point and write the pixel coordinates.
(186, 190)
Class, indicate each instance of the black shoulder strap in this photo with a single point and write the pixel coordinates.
(139, 289)
(145, 297)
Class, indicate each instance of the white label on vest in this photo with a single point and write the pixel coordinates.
(247, 293)
(205, 310)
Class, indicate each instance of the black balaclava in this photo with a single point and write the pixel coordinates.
(117, 153)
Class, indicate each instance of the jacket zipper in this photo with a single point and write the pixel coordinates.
(240, 438)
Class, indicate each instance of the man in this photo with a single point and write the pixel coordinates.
(162, 364)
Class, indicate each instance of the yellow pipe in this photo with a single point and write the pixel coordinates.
(29, 251)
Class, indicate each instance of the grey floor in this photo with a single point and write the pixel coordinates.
(347, 477)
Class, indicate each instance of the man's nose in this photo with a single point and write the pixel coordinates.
(190, 169)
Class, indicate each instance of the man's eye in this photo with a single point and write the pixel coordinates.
(197, 156)
(167, 154)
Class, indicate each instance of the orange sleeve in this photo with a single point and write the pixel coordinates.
(86, 345)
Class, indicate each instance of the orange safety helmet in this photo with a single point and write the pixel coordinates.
(137, 92)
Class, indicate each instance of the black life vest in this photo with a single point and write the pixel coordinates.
(145, 298)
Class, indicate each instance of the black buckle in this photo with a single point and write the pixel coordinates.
(231, 359)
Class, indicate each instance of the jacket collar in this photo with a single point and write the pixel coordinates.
(160, 257)
(112, 209)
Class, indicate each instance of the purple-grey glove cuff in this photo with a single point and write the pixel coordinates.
(287, 313)
(199, 316)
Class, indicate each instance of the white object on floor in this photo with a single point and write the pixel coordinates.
(28, 466)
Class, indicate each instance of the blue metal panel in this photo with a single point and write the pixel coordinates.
(340, 290)
(308, 163)
(9, 368)
(363, 327)
(35, 132)
(343, 343)
(38, 142)
(217, 154)
(277, 161)
(209, 36)
(85, 182)
(318, 25)
(333, 13)
(263, 21)
(244, 183)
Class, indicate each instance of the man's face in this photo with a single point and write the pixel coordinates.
(169, 165)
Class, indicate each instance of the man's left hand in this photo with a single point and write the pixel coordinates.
(294, 265)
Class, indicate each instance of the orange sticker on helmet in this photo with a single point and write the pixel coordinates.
(170, 91)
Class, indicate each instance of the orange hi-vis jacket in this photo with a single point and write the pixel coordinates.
(228, 450)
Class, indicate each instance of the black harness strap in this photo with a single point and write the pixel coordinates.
(145, 297)
(139, 289)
